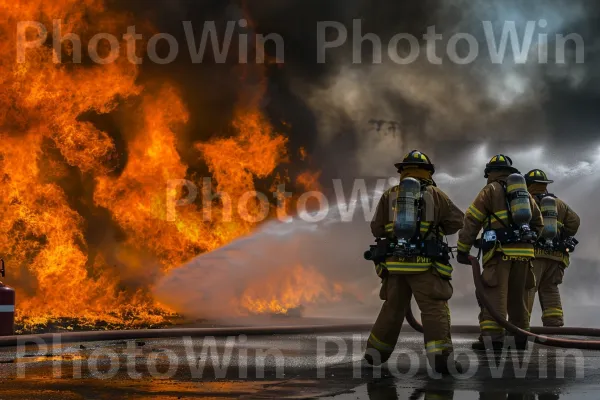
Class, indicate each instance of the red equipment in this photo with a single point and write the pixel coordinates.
(7, 306)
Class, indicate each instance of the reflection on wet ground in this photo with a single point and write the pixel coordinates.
(280, 367)
(391, 390)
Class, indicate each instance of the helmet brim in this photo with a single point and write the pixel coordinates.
(428, 167)
(539, 181)
(512, 170)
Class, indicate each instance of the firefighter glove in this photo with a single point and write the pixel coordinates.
(463, 257)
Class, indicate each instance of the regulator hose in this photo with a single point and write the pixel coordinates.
(536, 332)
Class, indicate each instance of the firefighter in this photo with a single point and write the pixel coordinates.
(501, 209)
(552, 256)
(405, 274)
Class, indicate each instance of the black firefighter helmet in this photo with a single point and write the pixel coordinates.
(537, 176)
(417, 159)
(498, 163)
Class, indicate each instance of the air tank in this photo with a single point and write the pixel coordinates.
(518, 197)
(407, 208)
(550, 213)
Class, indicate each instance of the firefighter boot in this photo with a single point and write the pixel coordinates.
(441, 364)
(375, 358)
(520, 342)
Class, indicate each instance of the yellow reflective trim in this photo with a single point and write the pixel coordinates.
(488, 322)
(519, 252)
(487, 256)
(435, 343)
(401, 263)
(443, 266)
(443, 269)
(516, 186)
(522, 207)
(445, 273)
(502, 158)
(425, 226)
(379, 344)
(490, 326)
(500, 215)
(436, 346)
(495, 159)
(463, 247)
(478, 215)
(408, 268)
(553, 312)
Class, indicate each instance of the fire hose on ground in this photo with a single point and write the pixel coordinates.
(536, 333)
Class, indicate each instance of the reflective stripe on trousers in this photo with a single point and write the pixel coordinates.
(436, 346)
(492, 326)
(379, 345)
(553, 312)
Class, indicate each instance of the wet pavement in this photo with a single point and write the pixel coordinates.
(279, 367)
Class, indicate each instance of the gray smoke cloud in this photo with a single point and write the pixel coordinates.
(450, 105)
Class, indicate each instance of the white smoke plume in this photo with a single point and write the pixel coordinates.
(204, 287)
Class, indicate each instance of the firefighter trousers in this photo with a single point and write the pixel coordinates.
(507, 282)
(432, 293)
(548, 275)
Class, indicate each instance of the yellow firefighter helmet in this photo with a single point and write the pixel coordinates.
(500, 162)
(417, 159)
(537, 176)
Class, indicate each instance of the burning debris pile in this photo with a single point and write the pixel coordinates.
(83, 224)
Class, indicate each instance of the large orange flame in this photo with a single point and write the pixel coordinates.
(57, 178)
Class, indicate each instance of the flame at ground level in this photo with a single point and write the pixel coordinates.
(287, 289)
